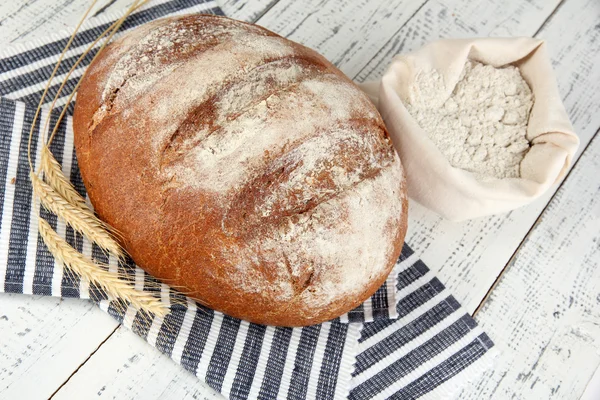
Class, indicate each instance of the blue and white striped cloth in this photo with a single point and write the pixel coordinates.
(411, 339)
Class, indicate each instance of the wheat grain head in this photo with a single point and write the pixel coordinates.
(84, 222)
(59, 197)
(54, 176)
(116, 288)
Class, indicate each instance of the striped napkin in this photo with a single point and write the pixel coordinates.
(411, 339)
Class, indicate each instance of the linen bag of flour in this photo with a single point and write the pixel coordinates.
(478, 123)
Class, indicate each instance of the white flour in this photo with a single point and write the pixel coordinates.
(482, 126)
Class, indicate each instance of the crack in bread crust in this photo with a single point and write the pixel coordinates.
(231, 220)
(186, 135)
(197, 49)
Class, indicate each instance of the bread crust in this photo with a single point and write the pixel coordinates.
(241, 167)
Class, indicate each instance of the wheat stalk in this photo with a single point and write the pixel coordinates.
(116, 288)
(59, 197)
(62, 54)
(113, 28)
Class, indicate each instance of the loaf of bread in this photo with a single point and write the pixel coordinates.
(242, 168)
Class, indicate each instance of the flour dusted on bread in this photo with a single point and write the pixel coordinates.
(317, 235)
(482, 126)
(242, 167)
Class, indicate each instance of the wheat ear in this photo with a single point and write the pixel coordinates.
(54, 177)
(59, 197)
(84, 222)
(115, 287)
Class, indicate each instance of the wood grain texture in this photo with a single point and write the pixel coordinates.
(44, 340)
(21, 21)
(348, 32)
(246, 10)
(459, 19)
(592, 390)
(126, 367)
(545, 312)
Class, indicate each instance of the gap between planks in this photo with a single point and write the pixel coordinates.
(85, 361)
(100, 11)
(552, 14)
(394, 36)
(266, 10)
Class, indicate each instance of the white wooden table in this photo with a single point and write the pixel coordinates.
(531, 277)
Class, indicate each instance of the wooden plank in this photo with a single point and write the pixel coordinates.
(44, 340)
(459, 19)
(592, 390)
(470, 255)
(246, 10)
(126, 367)
(545, 311)
(21, 21)
(348, 32)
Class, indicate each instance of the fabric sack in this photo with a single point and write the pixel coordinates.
(452, 192)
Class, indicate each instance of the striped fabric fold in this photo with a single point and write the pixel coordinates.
(411, 339)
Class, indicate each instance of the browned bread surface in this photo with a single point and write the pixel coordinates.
(242, 168)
